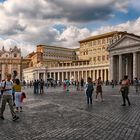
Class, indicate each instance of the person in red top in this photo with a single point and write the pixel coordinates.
(99, 88)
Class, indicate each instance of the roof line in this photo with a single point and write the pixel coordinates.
(102, 35)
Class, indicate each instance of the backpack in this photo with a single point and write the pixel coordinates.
(3, 88)
(90, 87)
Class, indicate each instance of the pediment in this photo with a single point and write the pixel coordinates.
(125, 42)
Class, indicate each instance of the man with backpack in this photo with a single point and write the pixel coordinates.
(6, 90)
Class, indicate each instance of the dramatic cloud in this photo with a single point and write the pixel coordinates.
(31, 22)
(9, 43)
(73, 11)
(130, 27)
(71, 36)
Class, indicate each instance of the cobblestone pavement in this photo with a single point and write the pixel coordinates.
(57, 115)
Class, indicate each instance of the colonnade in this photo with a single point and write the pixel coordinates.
(76, 74)
(124, 64)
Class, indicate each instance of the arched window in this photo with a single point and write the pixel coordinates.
(15, 55)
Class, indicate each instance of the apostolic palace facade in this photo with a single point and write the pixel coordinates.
(110, 56)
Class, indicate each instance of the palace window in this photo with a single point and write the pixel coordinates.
(99, 42)
(90, 43)
(93, 43)
(107, 57)
(103, 41)
(84, 63)
(103, 57)
(80, 63)
(99, 58)
(94, 59)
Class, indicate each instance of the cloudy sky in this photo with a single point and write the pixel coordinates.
(27, 23)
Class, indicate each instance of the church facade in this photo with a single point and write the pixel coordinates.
(125, 57)
(10, 62)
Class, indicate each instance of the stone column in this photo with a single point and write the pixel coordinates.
(10, 69)
(50, 74)
(111, 68)
(66, 75)
(120, 67)
(70, 75)
(134, 65)
(89, 73)
(82, 74)
(108, 75)
(126, 61)
(44, 76)
(93, 75)
(101, 74)
(58, 75)
(62, 76)
(3, 71)
(105, 75)
(19, 72)
(86, 75)
(74, 75)
(54, 76)
(97, 73)
(38, 74)
(78, 75)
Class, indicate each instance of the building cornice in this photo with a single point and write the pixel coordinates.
(102, 36)
(56, 47)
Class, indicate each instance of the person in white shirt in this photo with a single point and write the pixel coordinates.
(7, 87)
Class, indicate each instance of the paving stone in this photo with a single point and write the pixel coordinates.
(57, 116)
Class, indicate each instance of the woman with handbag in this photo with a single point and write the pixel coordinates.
(18, 93)
(125, 90)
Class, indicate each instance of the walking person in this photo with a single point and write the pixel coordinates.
(112, 83)
(77, 85)
(17, 89)
(89, 90)
(35, 86)
(41, 86)
(125, 90)
(67, 84)
(64, 85)
(7, 98)
(136, 84)
(99, 88)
